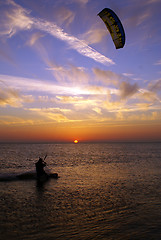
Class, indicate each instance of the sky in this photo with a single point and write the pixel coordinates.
(61, 77)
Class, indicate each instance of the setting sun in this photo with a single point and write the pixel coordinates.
(75, 141)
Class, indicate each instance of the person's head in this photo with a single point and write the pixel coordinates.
(40, 159)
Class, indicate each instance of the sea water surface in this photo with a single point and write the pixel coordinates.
(105, 191)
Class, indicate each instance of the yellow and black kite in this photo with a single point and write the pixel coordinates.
(114, 26)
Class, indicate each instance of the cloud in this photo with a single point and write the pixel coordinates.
(84, 2)
(94, 35)
(128, 90)
(9, 97)
(138, 15)
(138, 12)
(14, 19)
(152, 1)
(143, 17)
(80, 102)
(13, 98)
(55, 114)
(45, 99)
(122, 88)
(32, 85)
(69, 99)
(79, 45)
(155, 85)
(72, 74)
(33, 39)
(94, 104)
(29, 85)
(18, 18)
(65, 15)
(12, 120)
(148, 95)
(128, 74)
(158, 62)
(108, 77)
(97, 89)
(146, 116)
(113, 106)
(142, 106)
(97, 110)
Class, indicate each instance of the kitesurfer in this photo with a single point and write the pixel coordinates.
(40, 164)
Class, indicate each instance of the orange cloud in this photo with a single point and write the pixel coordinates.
(13, 98)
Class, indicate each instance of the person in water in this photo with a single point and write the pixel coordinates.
(40, 168)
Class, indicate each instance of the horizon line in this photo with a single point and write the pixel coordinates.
(83, 142)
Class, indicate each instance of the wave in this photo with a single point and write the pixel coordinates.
(23, 176)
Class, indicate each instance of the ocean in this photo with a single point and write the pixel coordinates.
(104, 191)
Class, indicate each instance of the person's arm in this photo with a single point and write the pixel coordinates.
(44, 164)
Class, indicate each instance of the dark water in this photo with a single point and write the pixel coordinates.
(105, 191)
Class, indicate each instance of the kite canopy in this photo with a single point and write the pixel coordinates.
(114, 26)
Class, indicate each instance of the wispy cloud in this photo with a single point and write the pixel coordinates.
(94, 35)
(17, 18)
(79, 45)
(11, 97)
(60, 104)
(70, 74)
(155, 85)
(31, 85)
(55, 114)
(158, 62)
(82, 1)
(106, 76)
(34, 38)
(128, 74)
(152, 1)
(80, 102)
(65, 16)
(148, 95)
(14, 19)
(12, 120)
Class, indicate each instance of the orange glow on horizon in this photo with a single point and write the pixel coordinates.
(86, 133)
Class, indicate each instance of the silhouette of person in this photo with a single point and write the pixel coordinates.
(40, 164)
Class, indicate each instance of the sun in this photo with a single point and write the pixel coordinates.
(75, 141)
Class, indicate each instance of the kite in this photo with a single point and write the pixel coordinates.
(114, 26)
